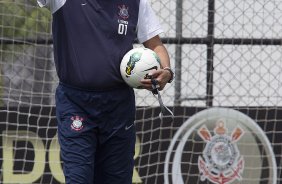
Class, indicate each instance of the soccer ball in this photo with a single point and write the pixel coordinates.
(137, 64)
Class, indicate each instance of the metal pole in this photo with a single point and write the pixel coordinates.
(210, 54)
(178, 53)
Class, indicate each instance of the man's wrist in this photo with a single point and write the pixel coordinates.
(171, 73)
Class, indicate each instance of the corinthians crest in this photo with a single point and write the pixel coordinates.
(123, 12)
(221, 162)
(76, 123)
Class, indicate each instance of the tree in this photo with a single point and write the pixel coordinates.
(23, 20)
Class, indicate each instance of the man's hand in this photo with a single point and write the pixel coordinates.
(161, 76)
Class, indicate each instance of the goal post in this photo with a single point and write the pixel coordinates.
(226, 96)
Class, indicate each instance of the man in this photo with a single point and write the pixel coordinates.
(95, 108)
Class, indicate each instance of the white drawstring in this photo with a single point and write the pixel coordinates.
(155, 91)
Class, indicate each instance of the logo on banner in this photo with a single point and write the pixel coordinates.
(222, 163)
(76, 123)
(220, 146)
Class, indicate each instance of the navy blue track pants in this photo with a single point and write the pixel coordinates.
(96, 134)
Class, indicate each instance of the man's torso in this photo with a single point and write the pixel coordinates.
(90, 39)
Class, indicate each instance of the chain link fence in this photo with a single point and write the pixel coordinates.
(224, 53)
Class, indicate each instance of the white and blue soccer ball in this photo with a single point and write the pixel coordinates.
(137, 64)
